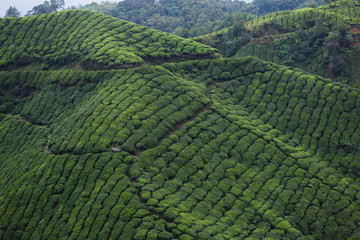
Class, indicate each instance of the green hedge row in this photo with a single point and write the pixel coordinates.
(93, 39)
(68, 86)
(133, 110)
(274, 156)
(54, 192)
(231, 181)
(309, 111)
(339, 11)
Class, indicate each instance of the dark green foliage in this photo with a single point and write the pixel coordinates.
(259, 7)
(320, 40)
(46, 7)
(90, 40)
(226, 149)
(12, 12)
(173, 16)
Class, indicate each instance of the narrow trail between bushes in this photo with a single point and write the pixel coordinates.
(180, 125)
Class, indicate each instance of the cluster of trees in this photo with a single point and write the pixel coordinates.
(338, 50)
(324, 48)
(46, 7)
(104, 7)
(186, 18)
(231, 39)
(12, 12)
(95, 40)
(191, 18)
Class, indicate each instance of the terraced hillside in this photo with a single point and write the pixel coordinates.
(89, 39)
(236, 148)
(321, 40)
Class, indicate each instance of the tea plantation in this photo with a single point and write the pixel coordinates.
(163, 148)
(89, 39)
(323, 40)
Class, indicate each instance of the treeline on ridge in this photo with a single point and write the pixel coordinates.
(319, 40)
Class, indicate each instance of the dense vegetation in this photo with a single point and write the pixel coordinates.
(262, 7)
(91, 40)
(320, 40)
(168, 148)
(46, 7)
(190, 18)
(195, 17)
(12, 12)
(222, 148)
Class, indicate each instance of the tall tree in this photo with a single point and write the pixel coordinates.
(46, 7)
(12, 12)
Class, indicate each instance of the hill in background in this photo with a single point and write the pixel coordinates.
(174, 142)
(195, 17)
(321, 40)
(191, 18)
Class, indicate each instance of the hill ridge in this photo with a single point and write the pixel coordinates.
(304, 38)
(114, 43)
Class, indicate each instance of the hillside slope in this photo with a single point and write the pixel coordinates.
(93, 40)
(321, 40)
(211, 148)
(235, 148)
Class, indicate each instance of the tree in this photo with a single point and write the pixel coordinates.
(311, 5)
(46, 7)
(12, 12)
(181, 32)
(329, 1)
(338, 45)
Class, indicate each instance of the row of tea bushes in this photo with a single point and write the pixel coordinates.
(221, 177)
(340, 11)
(134, 108)
(64, 196)
(300, 38)
(309, 111)
(274, 156)
(93, 39)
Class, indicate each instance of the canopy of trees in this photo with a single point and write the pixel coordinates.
(195, 17)
(12, 12)
(46, 7)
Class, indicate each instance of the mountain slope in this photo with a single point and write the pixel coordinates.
(211, 148)
(319, 40)
(226, 148)
(94, 40)
(263, 7)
